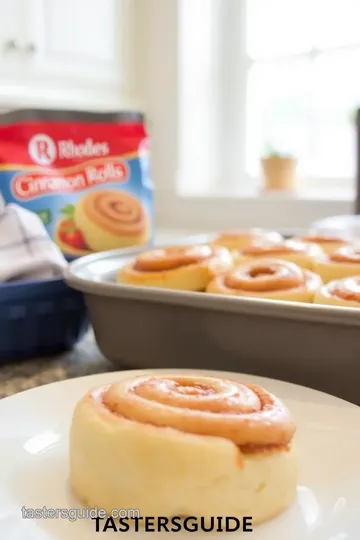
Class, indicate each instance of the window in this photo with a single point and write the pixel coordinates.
(236, 77)
(304, 84)
(278, 74)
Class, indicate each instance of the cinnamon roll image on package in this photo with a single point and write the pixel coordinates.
(273, 279)
(185, 268)
(184, 445)
(85, 174)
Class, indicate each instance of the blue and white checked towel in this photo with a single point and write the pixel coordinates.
(26, 250)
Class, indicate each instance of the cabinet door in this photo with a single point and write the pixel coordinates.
(13, 34)
(78, 39)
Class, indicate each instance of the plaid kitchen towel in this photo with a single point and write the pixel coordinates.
(26, 250)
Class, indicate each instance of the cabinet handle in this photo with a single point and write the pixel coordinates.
(30, 48)
(10, 45)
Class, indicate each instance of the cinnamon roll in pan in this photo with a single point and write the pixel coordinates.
(300, 253)
(328, 243)
(342, 292)
(187, 268)
(184, 446)
(273, 279)
(242, 238)
(109, 219)
(344, 262)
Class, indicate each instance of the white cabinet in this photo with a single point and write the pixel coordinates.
(74, 45)
(12, 31)
(78, 38)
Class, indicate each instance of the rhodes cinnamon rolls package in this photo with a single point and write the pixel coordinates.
(85, 174)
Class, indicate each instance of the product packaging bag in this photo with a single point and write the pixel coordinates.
(85, 174)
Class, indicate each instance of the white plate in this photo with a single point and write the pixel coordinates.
(33, 464)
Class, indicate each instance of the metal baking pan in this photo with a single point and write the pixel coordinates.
(312, 345)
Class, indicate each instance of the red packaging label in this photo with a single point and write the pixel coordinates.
(85, 174)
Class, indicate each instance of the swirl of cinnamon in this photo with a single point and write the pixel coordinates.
(116, 212)
(346, 254)
(346, 289)
(173, 257)
(245, 414)
(322, 239)
(274, 248)
(256, 235)
(264, 276)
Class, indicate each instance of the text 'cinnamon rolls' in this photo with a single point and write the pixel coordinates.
(187, 268)
(184, 445)
(268, 278)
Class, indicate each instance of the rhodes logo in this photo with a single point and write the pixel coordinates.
(43, 150)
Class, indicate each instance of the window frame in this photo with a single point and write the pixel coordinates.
(160, 68)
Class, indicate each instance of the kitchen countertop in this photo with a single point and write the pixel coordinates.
(84, 359)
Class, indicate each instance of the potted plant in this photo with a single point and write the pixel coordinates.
(279, 171)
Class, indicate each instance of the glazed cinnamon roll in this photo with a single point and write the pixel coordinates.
(343, 262)
(110, 219)
(328, 243)
(187, 268)
(341, 292)
(242, 238)
(183, 445)
(300, 253)
(273, 279)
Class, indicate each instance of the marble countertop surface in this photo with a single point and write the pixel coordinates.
(84, 359)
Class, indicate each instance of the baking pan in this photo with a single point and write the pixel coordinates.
(138, 327)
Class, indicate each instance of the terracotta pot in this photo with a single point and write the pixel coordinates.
(279, 173)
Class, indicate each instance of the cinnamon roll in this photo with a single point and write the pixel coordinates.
(341, 292)
(343, 262)
(273, 279)
(242, 238)
(300, 253)
(183, 445)
(110, 219)
(187, 268)
(328, 243)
